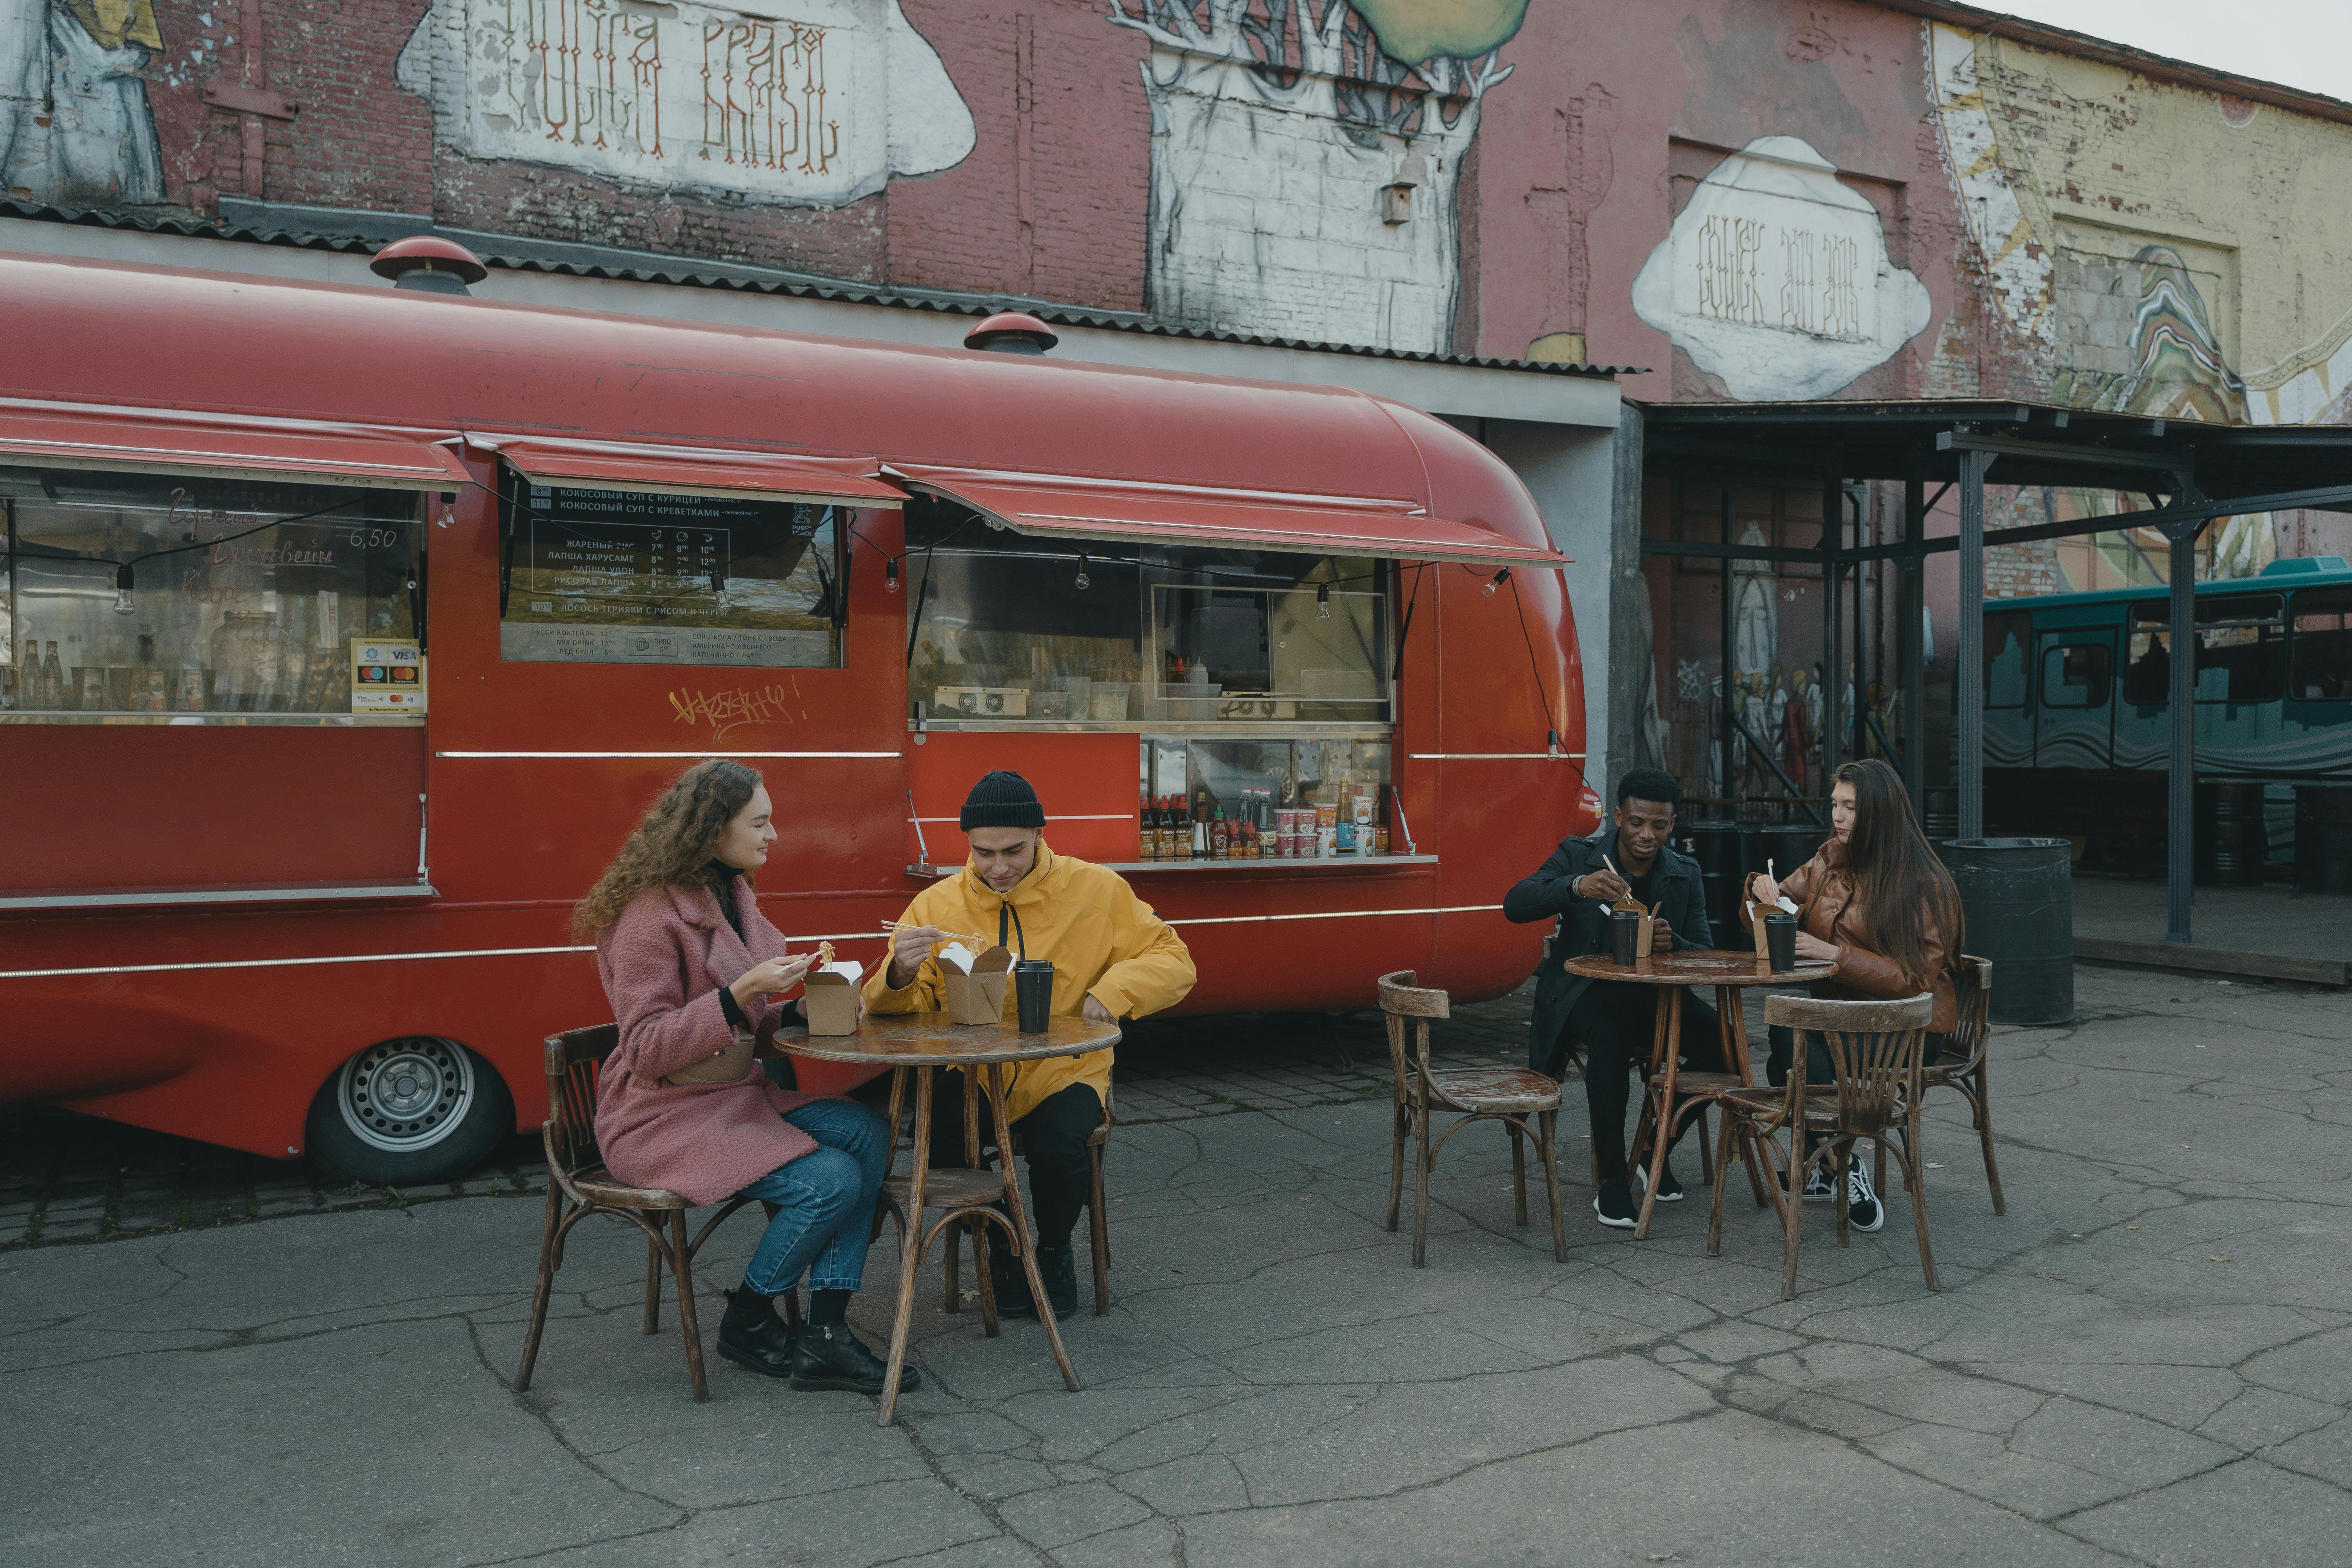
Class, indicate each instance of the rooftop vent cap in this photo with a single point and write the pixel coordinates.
(1011, 332)
(429, 263)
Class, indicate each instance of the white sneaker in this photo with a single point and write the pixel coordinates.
(1862, 1208)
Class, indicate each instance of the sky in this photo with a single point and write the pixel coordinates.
(2296, 43)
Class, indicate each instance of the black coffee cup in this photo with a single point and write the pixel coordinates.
(1780, 938)
(1625, 935)
(1032, 992)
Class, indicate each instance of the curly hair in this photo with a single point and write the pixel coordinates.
(672, 846)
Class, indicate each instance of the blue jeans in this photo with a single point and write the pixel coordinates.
(824, 1201)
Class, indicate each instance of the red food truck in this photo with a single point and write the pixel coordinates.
(350, 629)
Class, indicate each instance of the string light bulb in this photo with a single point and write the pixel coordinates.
(890, 573)
(1322, 601)
(719, 586)
(1084, 582)
(123, 579)
(1497, 582)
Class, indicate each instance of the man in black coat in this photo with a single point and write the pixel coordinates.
(1612, 1020)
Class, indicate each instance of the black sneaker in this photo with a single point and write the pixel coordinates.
(751, 1335)
(1817, 1182)
(1058, 1267)
(832, 1357)
(1010, 1284)
(1670, 1191)
(1862, 1208)
(1614, 1205)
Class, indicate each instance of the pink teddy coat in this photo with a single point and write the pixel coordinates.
(662, 963)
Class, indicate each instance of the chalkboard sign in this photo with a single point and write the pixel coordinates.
(599, 576)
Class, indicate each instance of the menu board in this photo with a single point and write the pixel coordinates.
(633, 577)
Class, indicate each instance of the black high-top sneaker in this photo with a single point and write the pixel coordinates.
(830, 1356)
(751, 1335)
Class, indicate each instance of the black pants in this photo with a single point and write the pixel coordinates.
(1615, 1023)
(1053, 1134)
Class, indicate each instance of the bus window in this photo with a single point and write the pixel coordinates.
(2148, 663)
(2005, 670)
(2241, 649)
(2075, 675)
(2322, 666)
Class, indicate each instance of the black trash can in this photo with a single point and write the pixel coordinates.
(2018, 898)
(2232, 838)
(1715, 845)
(2323, 838)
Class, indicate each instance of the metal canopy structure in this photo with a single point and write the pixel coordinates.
(2188, 473)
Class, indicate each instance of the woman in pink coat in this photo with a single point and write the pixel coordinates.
(694, 973)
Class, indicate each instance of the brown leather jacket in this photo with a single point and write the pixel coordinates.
(1823, 894)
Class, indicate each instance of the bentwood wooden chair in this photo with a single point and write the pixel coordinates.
(578, 1185)
(1507, 1095)
(1961, 1067)
(897, 1189)
(1873, 1049)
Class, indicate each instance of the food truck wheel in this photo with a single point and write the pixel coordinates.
(409, 1111)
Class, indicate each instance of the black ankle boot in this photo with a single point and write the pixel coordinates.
(1010, 1283)
(830, 1356)
(1058, 1267)
(751, 1335)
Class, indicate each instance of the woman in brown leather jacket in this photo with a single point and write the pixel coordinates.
(1877, 903)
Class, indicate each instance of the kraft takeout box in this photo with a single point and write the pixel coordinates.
(977, 995)
(830, 999)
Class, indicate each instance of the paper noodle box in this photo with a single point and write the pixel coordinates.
(977, 996)
(830, 999)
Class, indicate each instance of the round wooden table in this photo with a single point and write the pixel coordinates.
(920, 1044)
(1671, 1093)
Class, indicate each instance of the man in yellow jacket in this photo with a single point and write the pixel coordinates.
(1113, 960)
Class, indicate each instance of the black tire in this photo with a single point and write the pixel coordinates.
(408, 1112)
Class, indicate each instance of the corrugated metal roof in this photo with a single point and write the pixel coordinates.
(518, 254)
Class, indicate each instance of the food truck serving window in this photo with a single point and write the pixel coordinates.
(1016, 630)
(605, 576)
(245, 599)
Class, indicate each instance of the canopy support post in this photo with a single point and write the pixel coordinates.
(1833, 713)
(1967, 685)
(1729, 721)
(1909, 648)
(2180, 782)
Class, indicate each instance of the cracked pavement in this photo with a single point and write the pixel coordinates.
(2148, 1361)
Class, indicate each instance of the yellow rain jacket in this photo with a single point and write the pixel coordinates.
(1102, 939)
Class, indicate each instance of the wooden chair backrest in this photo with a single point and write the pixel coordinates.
(1873, 1049)
(574, 1060)
(1402, 999)
(1972, 990)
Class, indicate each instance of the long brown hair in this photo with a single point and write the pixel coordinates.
(672, 846)
(1895, 873)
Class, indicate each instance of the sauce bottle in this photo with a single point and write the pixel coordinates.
(1220, 844)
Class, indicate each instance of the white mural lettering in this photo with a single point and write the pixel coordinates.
(1776, 280)
(822, 106)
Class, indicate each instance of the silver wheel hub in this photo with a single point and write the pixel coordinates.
(406, 1095)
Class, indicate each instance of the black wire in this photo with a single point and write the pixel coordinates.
(1551, 733)
(17, 547)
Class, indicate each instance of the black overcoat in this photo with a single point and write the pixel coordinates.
(1675, 885)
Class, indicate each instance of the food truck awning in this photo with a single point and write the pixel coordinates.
(693, 471)
(157, 441)
(1139, 511)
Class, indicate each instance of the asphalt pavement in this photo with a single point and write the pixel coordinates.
(2148, 1361)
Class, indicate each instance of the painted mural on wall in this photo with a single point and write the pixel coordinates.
(75, 128)
(1776, 280)
(1305, 161)
(818, 101)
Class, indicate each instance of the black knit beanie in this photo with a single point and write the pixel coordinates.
(1003, 799)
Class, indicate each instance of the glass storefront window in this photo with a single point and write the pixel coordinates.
(1013, 629)
(596, 576)
(1244, 777)
(246, 596)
